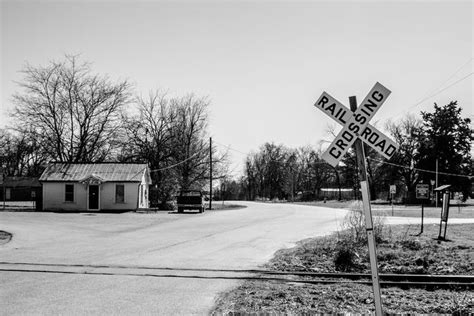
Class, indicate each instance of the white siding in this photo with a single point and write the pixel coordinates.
(54, 196)
(107, 196)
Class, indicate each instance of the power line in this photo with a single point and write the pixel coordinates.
(450, 77)
(454, 83)
(233, 149)
(422, 170)
(176, 164)
(233, 171)
(436, 91)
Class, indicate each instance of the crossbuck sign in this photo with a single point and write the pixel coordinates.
(356, 125)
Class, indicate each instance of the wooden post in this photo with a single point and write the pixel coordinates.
(210, 173)
(4, 192)
(364, 186)
(422, 215)
(3, 186)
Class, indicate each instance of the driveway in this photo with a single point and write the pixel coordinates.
(143, 263)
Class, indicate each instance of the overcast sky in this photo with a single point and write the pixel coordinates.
(263, 64)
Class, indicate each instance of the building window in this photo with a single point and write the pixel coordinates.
(69, 196)
(119, 193)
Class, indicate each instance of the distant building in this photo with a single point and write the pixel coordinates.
(20, 189)
(95, 186)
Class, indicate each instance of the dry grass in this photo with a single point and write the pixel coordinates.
(456, 210)
(400, 252)
(291, 299)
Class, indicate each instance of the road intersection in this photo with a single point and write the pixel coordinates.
(144, 263)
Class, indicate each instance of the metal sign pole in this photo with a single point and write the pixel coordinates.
(364, 186)
(391, 201)
(210, 173)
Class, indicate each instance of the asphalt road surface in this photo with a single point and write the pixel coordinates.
(143, 263)
(167, 264)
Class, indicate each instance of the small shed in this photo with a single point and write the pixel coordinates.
(95, 186)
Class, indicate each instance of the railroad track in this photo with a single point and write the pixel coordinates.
(403, 280)
(386, 280)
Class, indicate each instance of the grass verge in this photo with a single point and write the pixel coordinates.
(456, 210)
(398, 252)
(218, 206)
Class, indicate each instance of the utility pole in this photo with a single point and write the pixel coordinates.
(436, 181)
(210, 173)
(364, 186)
(3, 187)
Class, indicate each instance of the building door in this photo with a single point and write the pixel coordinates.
(93, 197)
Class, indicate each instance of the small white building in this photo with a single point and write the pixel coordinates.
(95, 186)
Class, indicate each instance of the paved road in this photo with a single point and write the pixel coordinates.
(101, 263)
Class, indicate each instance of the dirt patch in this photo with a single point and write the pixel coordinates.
(398, 252)
(5, 237)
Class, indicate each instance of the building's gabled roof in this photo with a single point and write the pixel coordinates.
(119, 172)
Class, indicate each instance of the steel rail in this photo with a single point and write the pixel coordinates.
(402, 284)
(387, 280)
(352, 276)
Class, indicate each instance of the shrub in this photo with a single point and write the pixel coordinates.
(354, 222)
(344, 259)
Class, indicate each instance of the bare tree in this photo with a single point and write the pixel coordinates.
(20, 154)
(405, 132)
(191, 143)
(170, 134)
(148, 139)
(314, 173)
(73, 113)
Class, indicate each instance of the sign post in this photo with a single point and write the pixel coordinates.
(355, 131)
(393, 190)
(422, 193)
(2, 177)
(444, 216)
(364, 186)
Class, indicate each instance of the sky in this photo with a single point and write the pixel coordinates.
(262, 64)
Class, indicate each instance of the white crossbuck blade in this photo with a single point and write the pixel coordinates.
(356, 125)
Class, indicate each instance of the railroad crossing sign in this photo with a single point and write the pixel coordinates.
(357, 129)
(356, 125)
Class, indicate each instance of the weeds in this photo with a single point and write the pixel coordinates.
(344, 259)
(353, 239)
(400, 253)
(354, 222)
